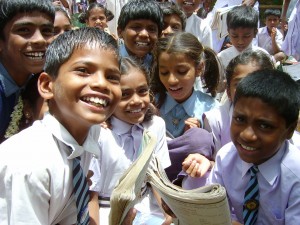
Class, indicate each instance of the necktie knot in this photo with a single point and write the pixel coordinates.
(253, 170)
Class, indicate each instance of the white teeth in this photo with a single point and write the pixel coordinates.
(35, 55)
(95, 100)
(136, 111)
(142, 44)
(188, 3)
(248, 148)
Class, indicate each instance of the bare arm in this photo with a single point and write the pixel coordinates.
(94, 208)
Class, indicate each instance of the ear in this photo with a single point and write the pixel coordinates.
(200, 69)
(291, 129)
(45, 85)
(119, 30)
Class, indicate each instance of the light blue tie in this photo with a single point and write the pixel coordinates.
(251, 199)
(81, 193)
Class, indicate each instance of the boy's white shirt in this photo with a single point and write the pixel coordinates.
(36, 173)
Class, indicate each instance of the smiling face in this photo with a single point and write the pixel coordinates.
(135, 97)
(61, 24)
(177, 73)
(172, 24)
(257, 130)
(189, 6)
(240, 72)
(22, 50)
(86, 90)
(241, 38)
(97, 18)
(139, 37)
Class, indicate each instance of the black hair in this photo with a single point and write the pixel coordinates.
(272, 12)
(61, 49)
(170, 8)
(187, 44)
(257, 58)
(275, 88)
(10, 8)
(128, 63)
(86, 14)
(242, 16)
(141, 9)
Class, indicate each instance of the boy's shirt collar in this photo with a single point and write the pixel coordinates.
(147, 60)
(61, 133)
(188, 104)
(267, 169)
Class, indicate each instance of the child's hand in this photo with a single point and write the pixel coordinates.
(191, 122)
(88, 177)
(196, 165)
(273, 33)
(106, 124)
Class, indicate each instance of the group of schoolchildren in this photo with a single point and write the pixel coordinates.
(86, 97)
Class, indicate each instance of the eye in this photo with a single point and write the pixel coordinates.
(265, 126)
(152, 29)
(144, 91)
(238, 119)
(81, 71)
(114, 78)
(182, 72)
(176, 27)
(23, 30)
(47, 31)
(163, 73)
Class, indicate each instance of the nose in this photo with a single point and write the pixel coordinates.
(240, 40)
(38, 38)
(172, 80)
(248, 134)
(144, 32)
(99, 82)
(167, 31)
(98, 21)
(135, 100)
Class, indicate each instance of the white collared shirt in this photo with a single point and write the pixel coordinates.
(36, 173)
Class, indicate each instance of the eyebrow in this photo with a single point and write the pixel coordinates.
(19, 24)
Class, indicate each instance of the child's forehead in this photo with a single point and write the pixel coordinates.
(241, 30)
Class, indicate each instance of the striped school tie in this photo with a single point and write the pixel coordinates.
(251, 199)
(81, 193)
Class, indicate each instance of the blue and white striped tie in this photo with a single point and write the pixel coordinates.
(81, 192)
(251, 199)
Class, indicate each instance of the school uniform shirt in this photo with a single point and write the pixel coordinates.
(147, 62)
(200, 29)
(291, 43)
(228, 54)
(264, 40)
(174, 113)
(9, 93)
(278, 180)
(115, 159)
(36, 173)
(219, 120)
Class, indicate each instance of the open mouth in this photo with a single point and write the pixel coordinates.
(188, 3)
(35, 55)
(142, 44)
(136, 111)
(174, 89)
(95, 101)
(248, 148)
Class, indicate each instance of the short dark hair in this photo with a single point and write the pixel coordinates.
(242, 16)
(170, 8)
(275, 88)
(141, 9)
(10, 8)
(127, 63)
(86, 14)
(272, 12)
(257, 58)
(61, 49)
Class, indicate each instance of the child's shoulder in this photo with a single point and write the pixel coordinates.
(290, 160)
(156, 123)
